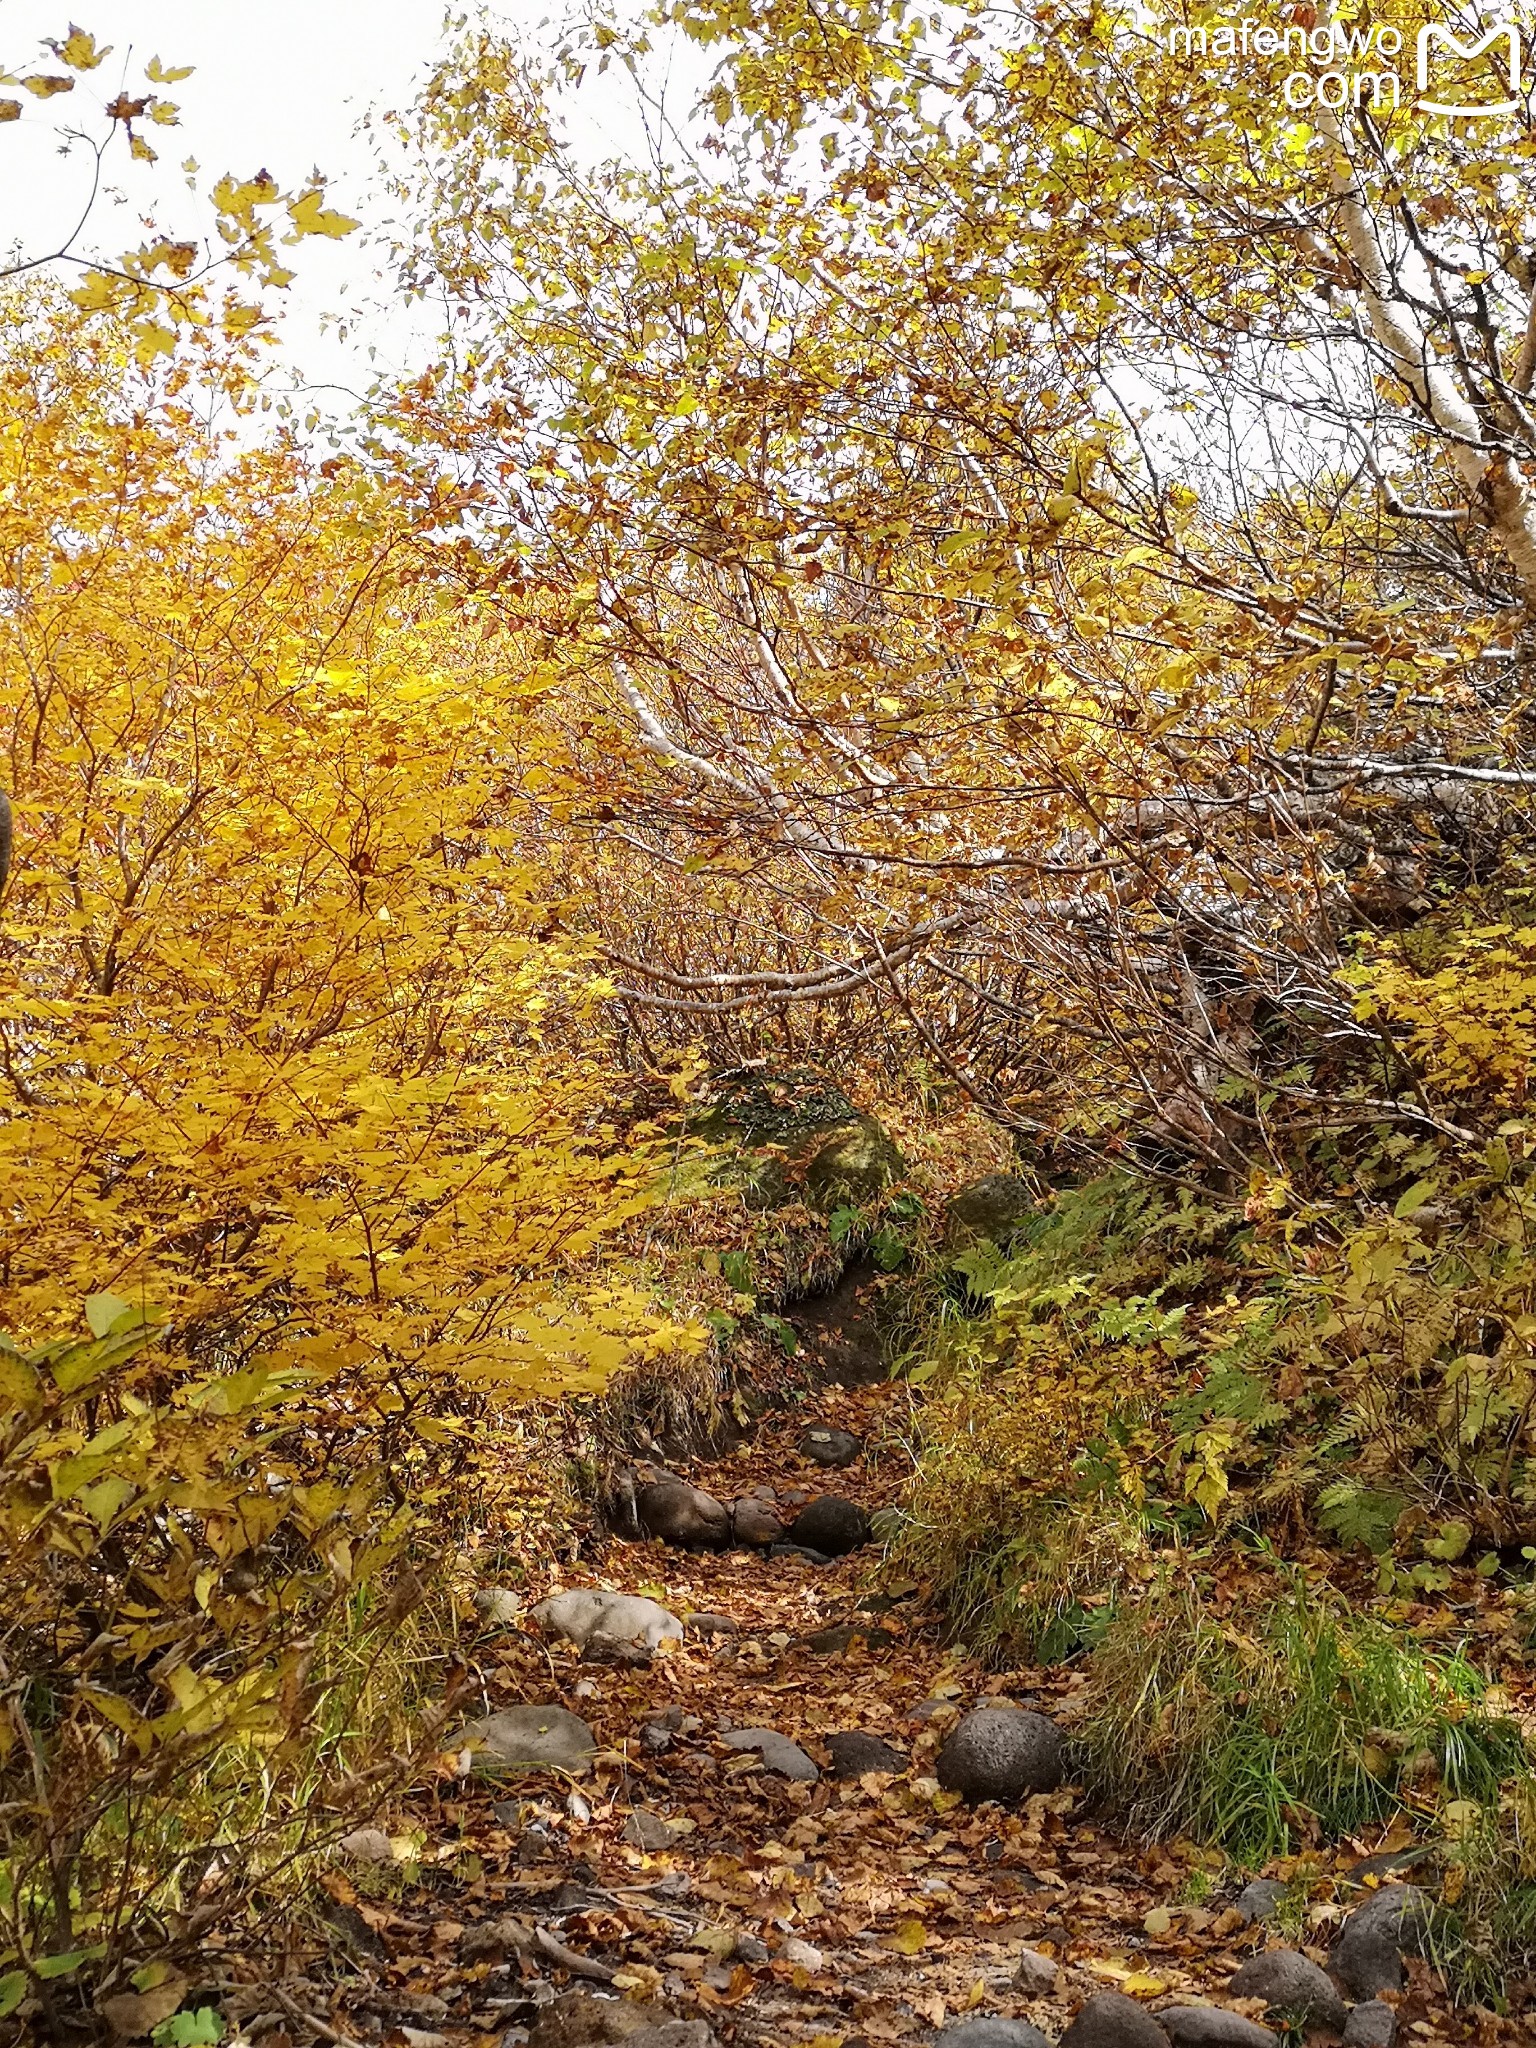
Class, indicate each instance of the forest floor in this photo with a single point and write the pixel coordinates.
(866, 1910)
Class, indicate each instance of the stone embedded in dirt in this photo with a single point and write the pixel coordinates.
(1001, 1753)
(801, 1550)
(992, 1207)
(683, 1516)
(854, 1754)
(991, 2033)
(620, 1617)
(1290, 1984)
(705, 1624)
(528, 1738)
(777, 1751)
(1111, 2020)
(801, 1955)
(831, 1525)
(755, 1524)
(1209, 2026)
(497, 1608)
(1372, 2025)
(833, 1448)
(1035, 1974)
(1259, 1901)
(838, 1640)
(649, 1831)
(578, 2020)
(1368, 1954)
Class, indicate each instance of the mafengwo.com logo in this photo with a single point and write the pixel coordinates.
(1463, 69)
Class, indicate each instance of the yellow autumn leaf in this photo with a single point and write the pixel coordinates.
(310, 215)
(79, 50)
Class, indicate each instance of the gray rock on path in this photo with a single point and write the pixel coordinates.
(801, 1550)
(1372, 2025)
(578, 2020)
(1111, 2020)
(649, 1831)
(756, 1525)
(831, 1525)
(683, 1515)
(777, 1751)
(1292, 1985)
(1001, 1753)
(528, 1738)
(854, 1753)
(621, 1617)
(707, 1624)
(1035, 1974)
(1368, 1955)
(991, 2033)
(497, 1607)
(832, 1448)
(1259, 1900)
(1208, 2026)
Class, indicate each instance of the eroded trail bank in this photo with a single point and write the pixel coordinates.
(759, 1850)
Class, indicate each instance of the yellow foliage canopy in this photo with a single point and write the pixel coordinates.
(285, 1031)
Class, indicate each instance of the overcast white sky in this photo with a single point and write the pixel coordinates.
(278, 83)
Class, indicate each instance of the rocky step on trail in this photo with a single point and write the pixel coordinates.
(732, 1799)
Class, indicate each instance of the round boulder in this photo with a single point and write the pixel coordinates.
(755, 1524)
(1111, 2020)
(1292, 1985)
(1211, 2026)
(830, 1525)
(1367, 1958)
(992, 1207)
(1001, 1753)
(832, 1448)
(853, 1164)
(528, 1738)
(683, 1516)
(589, 1612)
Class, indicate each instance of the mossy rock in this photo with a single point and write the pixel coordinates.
(993, 1207)
(853, 1164)
(778, 1105)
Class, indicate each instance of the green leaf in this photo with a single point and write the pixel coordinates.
(67, 1964)
(13, 1989)
(1415, 1198)
(103, 1311)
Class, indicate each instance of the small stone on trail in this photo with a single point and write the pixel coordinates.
(832, 1448)
(1001, 1753)
(367, 1845)
(749, 1949)
(1111, 2020)
(1209, 2026)
(1035, 1974)
(839, 1640)
(800, 1550)
(621, 1617)
(1259, 1901)
(497, 1608)
(991, 2033)
(854, 1753)
(777, 1751)
(1291, 1984)
(831, 1525)
(712, 1624)
(528, 1738)
(1368, 1954)
(801, 1956)
(1372, 2025)
(755, 1525)
(649, 1831)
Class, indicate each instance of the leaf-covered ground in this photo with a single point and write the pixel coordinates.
(832, 1912)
